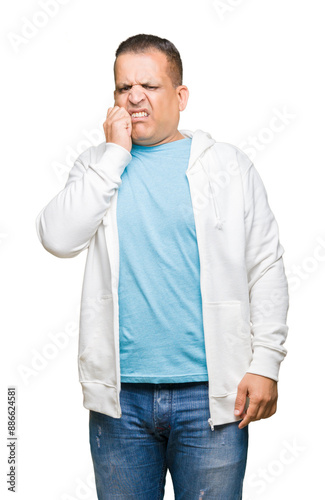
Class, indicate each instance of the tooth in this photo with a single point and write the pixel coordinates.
(142, 113)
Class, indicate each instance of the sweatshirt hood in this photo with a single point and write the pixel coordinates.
(201, 141)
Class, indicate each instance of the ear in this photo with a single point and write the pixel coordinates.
(183, 95)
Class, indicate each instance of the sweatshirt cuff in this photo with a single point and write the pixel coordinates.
(266, 362)
(117, 154)
(112, 145)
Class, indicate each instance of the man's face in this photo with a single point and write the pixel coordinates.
(142, 82)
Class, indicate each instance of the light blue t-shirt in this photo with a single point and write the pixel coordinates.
(160, 306)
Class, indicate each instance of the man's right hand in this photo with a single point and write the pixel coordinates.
(118, 127)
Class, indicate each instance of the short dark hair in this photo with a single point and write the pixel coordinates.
(143, 43)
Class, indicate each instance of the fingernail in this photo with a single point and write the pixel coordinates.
(236, 412)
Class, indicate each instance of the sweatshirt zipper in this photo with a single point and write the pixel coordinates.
(105, 222)
(219, 225)
(117, 264)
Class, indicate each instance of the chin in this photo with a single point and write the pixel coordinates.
(141, 138)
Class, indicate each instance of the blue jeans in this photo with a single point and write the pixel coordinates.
(165, 426)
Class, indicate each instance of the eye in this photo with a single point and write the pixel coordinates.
(150, 87)
(122, 89)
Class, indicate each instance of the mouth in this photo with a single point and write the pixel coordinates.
(140, 115)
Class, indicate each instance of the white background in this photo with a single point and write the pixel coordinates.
(244, 63)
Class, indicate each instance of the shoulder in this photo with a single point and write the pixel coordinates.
(231, 155)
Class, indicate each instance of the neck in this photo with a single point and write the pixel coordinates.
(176, 137)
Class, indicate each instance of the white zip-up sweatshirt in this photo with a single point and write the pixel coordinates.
(243, 284)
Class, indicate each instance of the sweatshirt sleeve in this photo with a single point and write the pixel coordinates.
(67, 223)
(267, 282)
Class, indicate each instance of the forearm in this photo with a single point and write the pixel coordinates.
(69, 221)
(269, 302)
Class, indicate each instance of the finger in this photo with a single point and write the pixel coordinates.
(129, 129)
(262, 413)
(112, 111)
(245, 421)
(239, 406)
(240, 400)
(108, 115)
(250, 415)
(266, 411)
(109, 111)
(113, 117)
(118, 113)
(120, 110)
(125, 120)
(262, 410)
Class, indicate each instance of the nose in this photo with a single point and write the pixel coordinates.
(136, 94)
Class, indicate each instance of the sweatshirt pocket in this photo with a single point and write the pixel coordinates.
(228, 345)
(96, 357)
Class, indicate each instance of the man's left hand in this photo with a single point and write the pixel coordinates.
(263, 394)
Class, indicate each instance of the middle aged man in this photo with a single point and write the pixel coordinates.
(185, 298)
